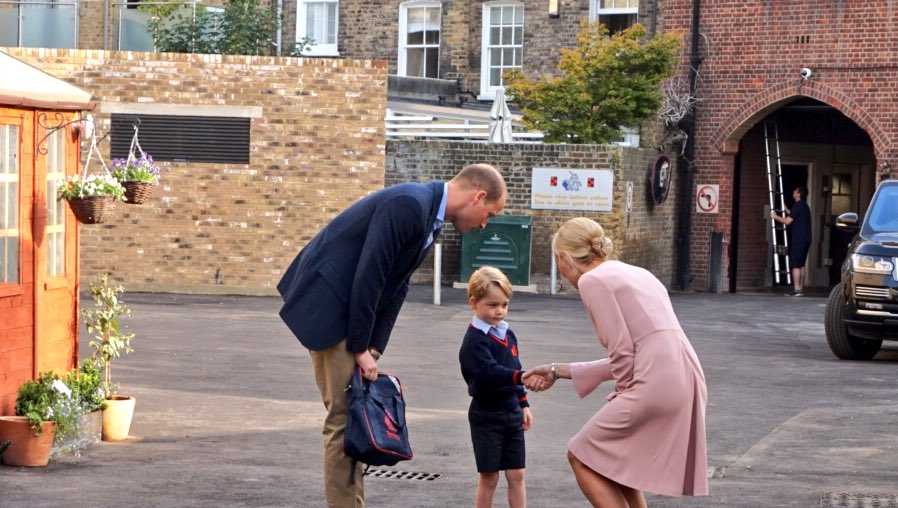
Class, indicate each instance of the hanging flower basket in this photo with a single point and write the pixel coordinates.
(138, 174)
(91, 209)
(92, 197)
(137, 193)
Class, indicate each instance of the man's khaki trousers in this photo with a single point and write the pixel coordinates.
(343, 485)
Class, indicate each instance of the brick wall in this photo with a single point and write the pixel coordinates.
(369, 29)
(230, 228)
(644, 238)
(90, 24)
(753, 51)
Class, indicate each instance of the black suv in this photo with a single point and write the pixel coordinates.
(862, 310)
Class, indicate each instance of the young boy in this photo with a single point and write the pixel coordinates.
(499, 412)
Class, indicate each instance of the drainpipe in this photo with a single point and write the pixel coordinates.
(105, 24)
(280, 27)
(653, 20)
(685, 162)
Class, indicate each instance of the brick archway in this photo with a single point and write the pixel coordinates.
(762, 104)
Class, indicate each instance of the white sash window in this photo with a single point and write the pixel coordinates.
(617, 15)
(318, 20)
(419, 39)
(503, 45)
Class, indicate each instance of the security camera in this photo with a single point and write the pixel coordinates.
(805, 73)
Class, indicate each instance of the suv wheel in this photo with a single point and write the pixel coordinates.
(841, 343)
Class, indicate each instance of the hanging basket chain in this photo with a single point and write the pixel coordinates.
(135, 143)
(90, 152)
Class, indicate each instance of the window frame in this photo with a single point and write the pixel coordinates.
(9, 288)
(402, 61)
(488, 92)
(57, 144)
(595, 11)
(317, 49)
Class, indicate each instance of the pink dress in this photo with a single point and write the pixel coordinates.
(650, 435)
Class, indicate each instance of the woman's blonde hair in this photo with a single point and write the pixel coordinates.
(481, 280)
(584, 239)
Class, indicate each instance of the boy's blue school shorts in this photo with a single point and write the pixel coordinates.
(498, 438)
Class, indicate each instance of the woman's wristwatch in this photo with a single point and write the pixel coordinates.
(554, 371)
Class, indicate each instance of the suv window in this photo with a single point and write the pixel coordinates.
(883, 217)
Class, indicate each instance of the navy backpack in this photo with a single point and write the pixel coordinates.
(376, 433)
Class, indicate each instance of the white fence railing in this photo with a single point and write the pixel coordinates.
(400, 126)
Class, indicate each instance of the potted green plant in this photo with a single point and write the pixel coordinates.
(46, 412)
(86, 385)
(138, 176)
(109, 343)
(92, 196)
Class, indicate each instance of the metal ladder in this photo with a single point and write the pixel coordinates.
(779, 238)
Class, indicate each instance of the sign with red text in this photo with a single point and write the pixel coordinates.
(572, 189)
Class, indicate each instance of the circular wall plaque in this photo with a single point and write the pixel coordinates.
(660, 178)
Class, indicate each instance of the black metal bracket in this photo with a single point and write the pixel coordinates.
(61, 123)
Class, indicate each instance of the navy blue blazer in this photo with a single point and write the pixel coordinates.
(351, 279)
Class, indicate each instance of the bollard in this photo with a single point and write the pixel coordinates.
(437, 272)
(553, 275)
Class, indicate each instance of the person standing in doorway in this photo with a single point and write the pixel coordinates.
(798, 219)
(343, 291)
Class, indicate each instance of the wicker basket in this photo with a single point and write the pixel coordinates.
(137, 193)
(91, 209)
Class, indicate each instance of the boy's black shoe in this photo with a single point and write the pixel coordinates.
(795, 293)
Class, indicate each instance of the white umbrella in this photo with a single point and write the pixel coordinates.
(500, 119)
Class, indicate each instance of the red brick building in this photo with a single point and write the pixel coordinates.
(837, 127)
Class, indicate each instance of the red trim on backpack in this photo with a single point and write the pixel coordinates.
(371, 433)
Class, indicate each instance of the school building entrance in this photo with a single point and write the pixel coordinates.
(805, 143)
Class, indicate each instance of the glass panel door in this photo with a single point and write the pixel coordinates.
(10, 246)
(55, 231)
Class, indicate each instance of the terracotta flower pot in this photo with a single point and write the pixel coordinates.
(117, 418)
(25, 449)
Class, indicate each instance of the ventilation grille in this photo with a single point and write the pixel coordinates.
(184, 138)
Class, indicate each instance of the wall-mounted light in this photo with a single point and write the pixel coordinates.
(553, 8)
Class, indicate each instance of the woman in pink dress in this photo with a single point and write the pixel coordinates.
(650, 435)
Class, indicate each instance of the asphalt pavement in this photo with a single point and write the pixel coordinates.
(228, 414)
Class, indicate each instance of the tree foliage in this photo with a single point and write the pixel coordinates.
(605, 83)
(245, 27)
(104, 322)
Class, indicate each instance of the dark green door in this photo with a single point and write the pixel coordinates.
(505, 243)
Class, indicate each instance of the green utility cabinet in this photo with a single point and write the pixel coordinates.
(505, 243)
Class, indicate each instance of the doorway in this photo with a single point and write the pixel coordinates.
(822, 150)
(38, 250)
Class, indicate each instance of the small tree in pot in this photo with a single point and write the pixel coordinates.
(109, 343)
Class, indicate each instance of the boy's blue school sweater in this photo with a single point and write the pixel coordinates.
(491, 368)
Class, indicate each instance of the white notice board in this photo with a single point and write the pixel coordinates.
(572, 189)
